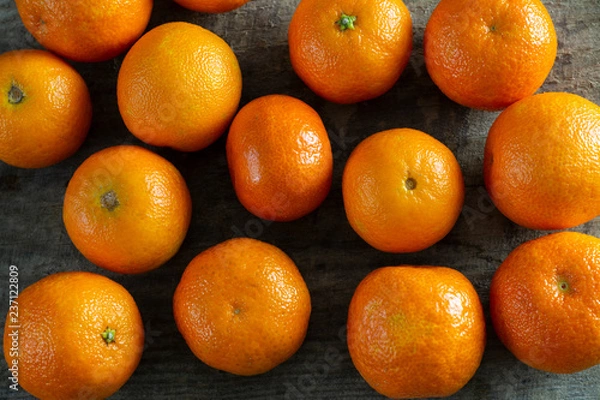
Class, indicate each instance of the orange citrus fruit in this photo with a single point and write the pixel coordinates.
(416, 331)
(75, 335)
(179, 86)
(545, 302)
(348, 51)
(211, 6)
(279, 158)
(541, 164)
(86, 30)
(487, 54)
(45, 109)
(242, 306)
(127, 209)
(403, 190)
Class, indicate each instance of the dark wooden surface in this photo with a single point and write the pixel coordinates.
(329, 254)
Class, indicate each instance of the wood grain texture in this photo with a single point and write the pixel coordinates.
(330, 255)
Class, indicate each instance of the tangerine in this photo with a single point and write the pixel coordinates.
(487, 54)
(541, 165)
(179, 86)
(127, 209)
(45, 110)
(279, 158)
(348, 51)
(242, 306)
(79, 325)
(403, 190)
(86, 30)
(416, 331)
(545, 305)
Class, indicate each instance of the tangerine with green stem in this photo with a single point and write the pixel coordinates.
(348, 51)
(76, 324)
(544, 302)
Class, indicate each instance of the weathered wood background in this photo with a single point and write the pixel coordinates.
(330, 255)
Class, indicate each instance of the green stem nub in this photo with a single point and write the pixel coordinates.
(346, 22)
(108, 335)
(15, 95)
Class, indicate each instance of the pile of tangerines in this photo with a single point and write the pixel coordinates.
(413, 331)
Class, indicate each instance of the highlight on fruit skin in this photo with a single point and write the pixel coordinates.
(541, 166)
(403, 190)
(127, 209)
(242, 306)
(211, 6)
(45, 109)
(488, 54)
(545, 302)
(73, 335)
(416, 331)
